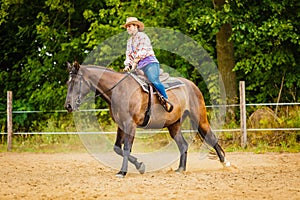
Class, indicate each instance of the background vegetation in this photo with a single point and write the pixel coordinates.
(262, 40)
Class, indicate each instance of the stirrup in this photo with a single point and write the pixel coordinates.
(168, 106)
(165, 103)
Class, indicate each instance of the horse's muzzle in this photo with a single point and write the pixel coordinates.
(68, 107)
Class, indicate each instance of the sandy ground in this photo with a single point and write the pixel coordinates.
(80, 176)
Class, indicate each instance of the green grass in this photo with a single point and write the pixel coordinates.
(230, 142)
(45, 144)
(258, 141)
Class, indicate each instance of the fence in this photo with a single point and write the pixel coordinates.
(243, 126)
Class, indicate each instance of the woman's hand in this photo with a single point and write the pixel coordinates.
(126, 69)
(134, 65)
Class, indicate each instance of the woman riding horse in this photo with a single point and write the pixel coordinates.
(140, 54)
(130, 114)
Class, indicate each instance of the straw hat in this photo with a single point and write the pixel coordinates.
(135, 21)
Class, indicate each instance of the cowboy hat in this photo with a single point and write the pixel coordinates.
(135, 21)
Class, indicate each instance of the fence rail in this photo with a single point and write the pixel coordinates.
(106, 109)
(151, 131)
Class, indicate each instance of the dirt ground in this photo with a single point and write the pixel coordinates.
(80, 176)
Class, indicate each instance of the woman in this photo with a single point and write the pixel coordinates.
(140, 54)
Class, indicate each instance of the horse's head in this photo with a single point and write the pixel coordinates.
(78, 87)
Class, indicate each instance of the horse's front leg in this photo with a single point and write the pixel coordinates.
(128, 141)
(118, 149)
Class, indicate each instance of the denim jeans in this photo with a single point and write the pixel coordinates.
(152, 72)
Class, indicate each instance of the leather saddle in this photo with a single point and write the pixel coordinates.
(168, 82)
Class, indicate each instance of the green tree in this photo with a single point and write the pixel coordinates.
(38, 37)
(225, 53)
(266, 38)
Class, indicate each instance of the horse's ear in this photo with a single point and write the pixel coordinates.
(69, 67)
(76, 65)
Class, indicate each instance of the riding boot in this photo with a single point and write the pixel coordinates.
(165, 103)
(168, 106)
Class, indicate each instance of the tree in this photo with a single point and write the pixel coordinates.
(266, 40)
(38, 37)
(265, 36)
(225, 55)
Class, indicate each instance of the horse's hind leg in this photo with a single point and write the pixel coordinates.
(175, 132)
(118, 149)
(211, 139)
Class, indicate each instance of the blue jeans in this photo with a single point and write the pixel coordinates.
(152, 72)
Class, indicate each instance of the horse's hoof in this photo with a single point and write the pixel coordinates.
(179, 170)
(121, 174)
(226, 163)
(142, 168)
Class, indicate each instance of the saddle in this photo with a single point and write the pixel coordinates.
(168, 82)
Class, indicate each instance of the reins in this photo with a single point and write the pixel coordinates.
(118, 82)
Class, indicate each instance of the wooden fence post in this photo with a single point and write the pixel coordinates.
(9, 121)
(243, 114)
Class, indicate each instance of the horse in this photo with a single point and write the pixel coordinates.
(128, 104)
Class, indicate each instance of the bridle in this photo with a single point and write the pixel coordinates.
(78, 99)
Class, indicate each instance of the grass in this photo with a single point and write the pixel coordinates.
(45, 144)
(72, 143)
(258, 142)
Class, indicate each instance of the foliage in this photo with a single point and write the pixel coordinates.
(38, 37)
(265, 140)
(267, 44)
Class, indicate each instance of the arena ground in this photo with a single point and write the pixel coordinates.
(80, 176)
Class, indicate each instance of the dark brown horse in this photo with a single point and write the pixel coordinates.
(128, 104)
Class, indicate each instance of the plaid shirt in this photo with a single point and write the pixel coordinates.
(138, 46)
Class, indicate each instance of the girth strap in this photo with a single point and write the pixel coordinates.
(148, 111)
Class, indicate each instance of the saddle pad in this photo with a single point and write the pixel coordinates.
(169, 83)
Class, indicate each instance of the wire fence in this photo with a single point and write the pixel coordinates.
(158, 131)
(106, 109)
(152, 131)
